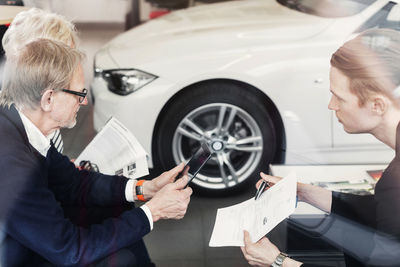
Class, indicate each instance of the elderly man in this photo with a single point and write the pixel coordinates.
(36, 23)
(42, 92)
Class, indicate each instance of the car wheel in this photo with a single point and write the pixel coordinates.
(232, 120)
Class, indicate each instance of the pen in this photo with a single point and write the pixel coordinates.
(261, 189)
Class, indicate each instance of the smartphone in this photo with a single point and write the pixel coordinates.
(197, 161)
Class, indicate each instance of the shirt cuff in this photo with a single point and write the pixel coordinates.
(148, 214)
(129, 190)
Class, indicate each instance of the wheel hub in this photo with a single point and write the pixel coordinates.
(217, 146)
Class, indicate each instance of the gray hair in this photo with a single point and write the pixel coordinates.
(40, 65)
(36, 23)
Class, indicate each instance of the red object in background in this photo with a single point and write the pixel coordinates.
(7, 24)
(375, 174)
(158, 13)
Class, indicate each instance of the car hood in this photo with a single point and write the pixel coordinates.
(213, 28)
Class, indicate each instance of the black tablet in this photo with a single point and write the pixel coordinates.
(199, 158)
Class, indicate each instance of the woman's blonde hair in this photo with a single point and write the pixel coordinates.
(371, 61)
(36, 23)
(41, 65)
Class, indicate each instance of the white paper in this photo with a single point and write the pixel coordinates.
(116, 152)
(258, 217)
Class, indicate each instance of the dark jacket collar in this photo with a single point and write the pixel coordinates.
(12, 115)
(398, 140)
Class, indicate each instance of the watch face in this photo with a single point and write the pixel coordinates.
(279, 260)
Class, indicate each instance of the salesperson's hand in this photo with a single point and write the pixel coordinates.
(263, 252)
(268, 178)
(275, 179)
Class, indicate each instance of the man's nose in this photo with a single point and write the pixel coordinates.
(332, 104)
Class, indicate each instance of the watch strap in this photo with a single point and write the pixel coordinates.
(139, 190)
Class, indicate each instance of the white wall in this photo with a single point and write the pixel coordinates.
(93, 11)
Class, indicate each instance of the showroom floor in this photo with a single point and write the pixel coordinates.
(171, 243)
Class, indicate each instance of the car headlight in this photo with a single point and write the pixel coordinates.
(126, 81)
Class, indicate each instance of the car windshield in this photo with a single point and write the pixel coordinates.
(328, 8)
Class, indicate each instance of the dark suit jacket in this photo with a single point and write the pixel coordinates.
(35, 226)
(379, 213)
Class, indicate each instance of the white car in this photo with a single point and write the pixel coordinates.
(249, 77)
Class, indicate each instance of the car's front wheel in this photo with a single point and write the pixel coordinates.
(235, 124)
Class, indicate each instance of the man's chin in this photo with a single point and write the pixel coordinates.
(351, 131)
(70, 125)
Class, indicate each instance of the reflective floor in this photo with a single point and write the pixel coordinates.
(171, 243)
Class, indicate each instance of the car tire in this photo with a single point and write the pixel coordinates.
(249, 141)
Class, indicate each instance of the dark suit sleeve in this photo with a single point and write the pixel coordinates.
(357, 208)
(36, 221)
(81, 187)
(368, 219)
(388, 199)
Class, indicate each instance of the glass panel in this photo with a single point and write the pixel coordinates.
(328, 8)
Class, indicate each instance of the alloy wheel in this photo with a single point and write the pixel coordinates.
(233, 136)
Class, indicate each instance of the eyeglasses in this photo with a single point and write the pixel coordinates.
(82, 95)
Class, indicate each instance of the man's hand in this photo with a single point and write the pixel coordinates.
(171, 201)
(273, 180)
(270, 179)
(150, 188)
(263, 252)
(316, 196)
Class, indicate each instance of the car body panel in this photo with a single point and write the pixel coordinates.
(245, 42)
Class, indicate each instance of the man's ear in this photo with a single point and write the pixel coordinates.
(47, 100)
(379, 105)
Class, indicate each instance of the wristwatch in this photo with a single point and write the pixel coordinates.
(139, 190)
(279, 260)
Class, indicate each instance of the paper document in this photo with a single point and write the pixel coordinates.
(116, 152)
(258, 217)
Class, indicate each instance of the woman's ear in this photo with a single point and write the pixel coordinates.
(47, 100)
(380, 104)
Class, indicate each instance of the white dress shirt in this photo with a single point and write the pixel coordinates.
(42, 144)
